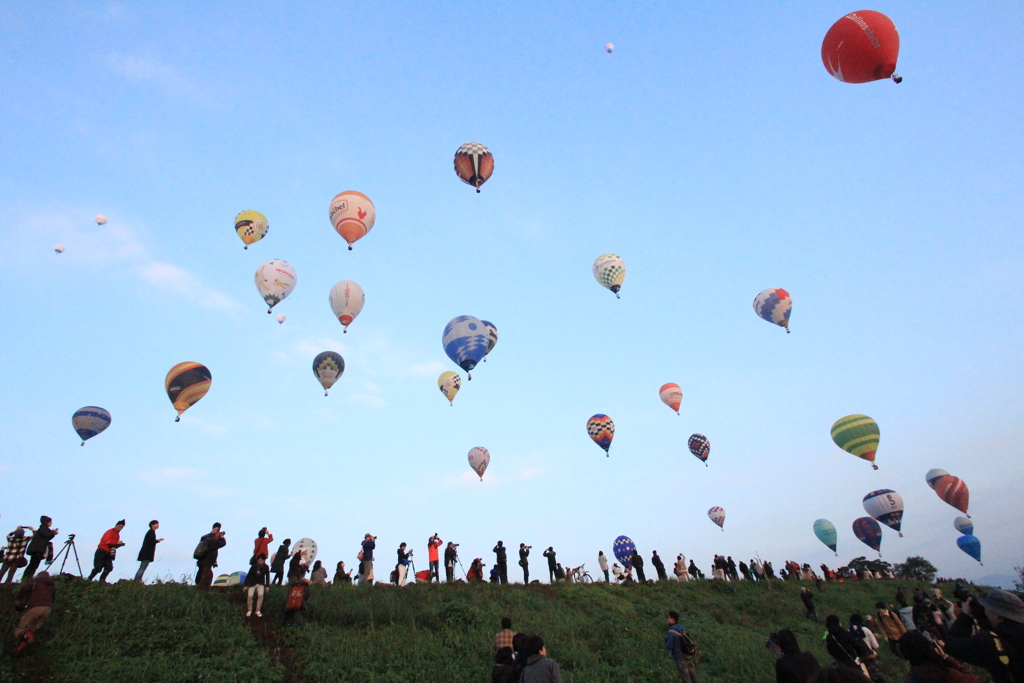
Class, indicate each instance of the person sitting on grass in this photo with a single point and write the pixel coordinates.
(341, 576)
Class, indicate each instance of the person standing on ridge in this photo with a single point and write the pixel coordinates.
(638, 565)
(103, 560)
(433, 543)
(148, 550)
(14, 558)
(501, 555)
(279, 560)
(369, 544)
(659, 567)
(262, 544)
(318, 577)
(552, 563)
(524, 561)
(602, 562)
(256, 582)
(206, 556)
(403, 564)
(297, 566)
(450, 556)
(682, 649)
(37, 546)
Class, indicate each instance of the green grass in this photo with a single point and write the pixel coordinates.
(172, 632)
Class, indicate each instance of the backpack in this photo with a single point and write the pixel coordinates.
(687, 647)
(296, 595)
(200, 551)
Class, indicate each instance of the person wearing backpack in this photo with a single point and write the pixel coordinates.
(295, 605)
(256, 582)
(277, 566)
(682, 648)
(205, 556)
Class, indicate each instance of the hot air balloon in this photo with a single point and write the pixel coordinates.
(869, 533)
(717, 515)
(186, 383)
(774, 305)
(308, 545)
(352, 215)
(328, 367)
(474, 164)
(602, 431)
(826, 533)
(465, 340)
(970, 545)
(58, 248)
(90, 421)
(449, 383)
(671, 395)
(886, 506)
(608, 47)
(251, 226)
(933, 476)
(275, 280)
(281, 318)
(346, 299)
(859, 435)
(492, 337)
(700, 447)
(610, 271)
(623, 548)
(861, 47)
(479, 459)
(101, 220)
(954, 492)
(964, 525)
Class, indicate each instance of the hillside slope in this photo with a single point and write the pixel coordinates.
(171, 632)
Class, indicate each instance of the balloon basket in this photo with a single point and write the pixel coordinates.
(247, 247)
(82, 444)
(325, 393)
(897, 78)
(478, 190)
(874, 466)
(268, 311)
(900, 533)
(350, 247)
(178, 419)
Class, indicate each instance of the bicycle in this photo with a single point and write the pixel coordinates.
(581, 575)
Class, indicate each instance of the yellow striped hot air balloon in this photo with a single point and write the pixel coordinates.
(857, 434)
(186, 383)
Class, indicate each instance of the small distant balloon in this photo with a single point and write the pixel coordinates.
(186, 384)
(671, 395)
(858, 435)
(700, 447)
(610, 271)
(886, 506)
(275, 280)
(352, 214)
(953, 491)
(474, 164)
(58, 248)
(328, 367)
(492, 337)
(101, 220)
(90, 421)
(347, 300)
(869, 533)
(775, 306)
(465, 340)
(717, 515)
(826, 533)
(608, 47)
(602, 430)
(281, 318)
(933, 476)
(623, 548)
(964, 525)
(479, 459)
(449, 383)
(970, 545)
(251, 226)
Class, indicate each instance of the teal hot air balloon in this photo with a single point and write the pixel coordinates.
(868, 532)
(826, 533)
(970, 545)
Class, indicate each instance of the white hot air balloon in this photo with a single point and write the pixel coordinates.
(58, 248)
(281, 318)
(275, 280)
(308, 545)
(610, 271)
(101, 220)
(934, 475)
(608, 47)
(346, 299)
(479, 459)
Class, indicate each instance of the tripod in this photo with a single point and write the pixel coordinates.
(70, 543)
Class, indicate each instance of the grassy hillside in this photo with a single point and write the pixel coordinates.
(171, 632)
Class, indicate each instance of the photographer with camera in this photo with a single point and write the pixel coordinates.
(451, 556)
(103, 560)
(403, 564)
(38, 545)
(998, 647)
(433, 543)
(366, 566)
(501, 554)
(524, 561)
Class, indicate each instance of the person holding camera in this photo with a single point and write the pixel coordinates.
(998, 647)
(501, 555)
(433, 543)
(38, 545)
(366, 569)
(206, 554)
(103, 560)
(552, 563)
(403, 564)
(451, 555)
(524, 561)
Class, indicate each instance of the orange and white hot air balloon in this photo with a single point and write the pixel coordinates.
(352, 215)
(474, 164)
(671, 395)
(347, 300)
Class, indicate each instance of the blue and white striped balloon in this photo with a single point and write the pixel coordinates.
(90, 421)
(624, 550)
(466, 340)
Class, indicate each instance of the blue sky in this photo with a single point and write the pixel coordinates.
(712, 151)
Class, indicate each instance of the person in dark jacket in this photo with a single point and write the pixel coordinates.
(745, 571)
(148, 550)
(14, 557)
(694, 571)
(730, 569)
(901, 597)
(212, 543)
(297, 568)
(504, 669)
(341, 576)
(844, 648)
(402, 568)
(451, 556)
(37, 598)
(279, 561)
(501, 563)
(524, 561)
(256, 582)
(808, 599)
(638, 565)
(539, 667)
(366, 569)
(928, 665)
(659, 566)
(682, 659)
(794, 666)
(38, 546)
(552, 563)
(999, 646)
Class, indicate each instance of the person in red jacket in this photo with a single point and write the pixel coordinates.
(262, 543)
(103, 561)
(433, 543)
(37, 597)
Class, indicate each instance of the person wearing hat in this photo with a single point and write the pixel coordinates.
(998, 647)
(38, 545)
(103, 560)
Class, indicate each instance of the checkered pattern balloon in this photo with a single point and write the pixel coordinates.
(624, 549)
(602, 430)
(479, 459)
(251, 226)
(717, 515)
(610, 271)
(474, 164)
(700, 447)
(465, 340)
(774, 305)
(328, 366)
(449, 383)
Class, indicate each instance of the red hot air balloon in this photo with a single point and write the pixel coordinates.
(862, 47)
(953, 491)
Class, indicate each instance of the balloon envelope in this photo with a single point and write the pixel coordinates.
(602, 430)
(465, 341)
(774, 305)
(608, 47)
(970, 545)
(954, 492)
(964, 525)
(700, 447)
(886, 506)
(861, 47)
(933, 476)
(610, 271)
(449, 383)
(275, 280)
(328, 366)
(474, 164)
(868, 532)
(186, 383)
(347, 300)
(671, 395)
(826, 533)
(281, 318)
(479, 459)
(492, 336)
(623, 548)
(859, 435)
(90, 421)
(58, 248)
(309, 545)
(101, 220)
(251, 227)
(717, 515)
(352, 215)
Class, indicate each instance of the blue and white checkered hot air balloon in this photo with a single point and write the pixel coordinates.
(624, 550)
(466, 340)
(774, 305)
(90, 421)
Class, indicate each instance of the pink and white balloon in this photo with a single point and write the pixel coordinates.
(479, 459)
(717, 515)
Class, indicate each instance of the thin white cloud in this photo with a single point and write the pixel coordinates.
(183, 478)
(174, 280)
(151, 72)
(431, 369)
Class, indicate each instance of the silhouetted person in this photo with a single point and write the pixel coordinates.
(552, 563)
(277, 566)
(206, 556)
(638, 565)
(659, 566)
(38, 546)
(148, 550)
(501, 555)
